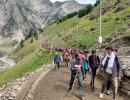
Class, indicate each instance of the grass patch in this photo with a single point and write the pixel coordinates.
(31, 62)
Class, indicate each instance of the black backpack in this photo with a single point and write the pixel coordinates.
(106, 63)
(117, 63)
(95, 63)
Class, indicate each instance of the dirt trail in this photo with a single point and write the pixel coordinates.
(54, 87)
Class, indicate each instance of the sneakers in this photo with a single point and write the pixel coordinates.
(101, 95)
(69, 91)
(82, 98)
(91, 84)
(92, 89)
(108, 92)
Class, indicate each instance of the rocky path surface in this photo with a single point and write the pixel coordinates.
(55, 84)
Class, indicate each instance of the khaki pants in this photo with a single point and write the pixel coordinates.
(108, 77)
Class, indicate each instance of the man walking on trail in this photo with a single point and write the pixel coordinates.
(57, 60)
(76, 72)
(94, 62)
(112, 71)
(118, 72)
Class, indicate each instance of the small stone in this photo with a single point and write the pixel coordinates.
(6, 95)
(13, 94)
(11, 98)
(1, 94)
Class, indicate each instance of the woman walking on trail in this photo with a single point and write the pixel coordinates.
(85, 63)
(76, 72)
(112, 71)
(94, 62)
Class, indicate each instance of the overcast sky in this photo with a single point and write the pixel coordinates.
(80, 1)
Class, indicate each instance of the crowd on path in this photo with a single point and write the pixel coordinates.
(82, 62)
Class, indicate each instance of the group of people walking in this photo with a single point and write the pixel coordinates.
(82, 62)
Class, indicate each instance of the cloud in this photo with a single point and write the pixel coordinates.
(80, 1)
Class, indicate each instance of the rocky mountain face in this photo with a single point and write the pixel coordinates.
(18, 17)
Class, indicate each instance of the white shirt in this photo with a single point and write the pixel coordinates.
(110, 62)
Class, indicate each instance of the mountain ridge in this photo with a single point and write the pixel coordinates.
(20, 17)
(23, 15)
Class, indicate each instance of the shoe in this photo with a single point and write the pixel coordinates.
(108, 92)
(82, 98)
(101, 95)
(91, 84)
(92, 89)
(69, 91)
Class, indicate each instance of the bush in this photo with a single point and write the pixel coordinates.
(21, 43)
(117, 19)
(92, 29)
(41, 30)
(31, 41)
(97, 3)
(60, 20)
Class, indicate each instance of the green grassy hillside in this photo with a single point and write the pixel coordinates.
(115, 22)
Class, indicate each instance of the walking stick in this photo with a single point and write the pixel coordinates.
(73, 83)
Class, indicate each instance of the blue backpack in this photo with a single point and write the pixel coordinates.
(86, 64)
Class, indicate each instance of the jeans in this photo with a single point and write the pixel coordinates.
(109, 85)
(85, 71)
(93, 74)
(57, 64)
(80, 81)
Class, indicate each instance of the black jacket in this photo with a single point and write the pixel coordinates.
(94, 61)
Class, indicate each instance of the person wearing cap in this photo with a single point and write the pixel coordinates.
(108, 64)
(94, 63)
(57, 60)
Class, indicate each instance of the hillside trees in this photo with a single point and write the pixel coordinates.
(85, 11)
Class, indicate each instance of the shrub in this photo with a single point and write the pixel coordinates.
(21, 43)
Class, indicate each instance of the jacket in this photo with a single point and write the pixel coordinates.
(57, 59)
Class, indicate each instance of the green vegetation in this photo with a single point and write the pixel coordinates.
(21, 43)
(85, 11)
(31, 62)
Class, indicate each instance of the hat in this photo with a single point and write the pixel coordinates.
(56, 53)
(110, 47)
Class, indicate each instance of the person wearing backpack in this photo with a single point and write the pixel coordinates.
(57, 60)
(85, 63)
(94, 63)
(111, 72)
(76, 72)
(117, 72)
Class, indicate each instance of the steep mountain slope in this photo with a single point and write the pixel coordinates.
(19, 17)
(87, 30)
(49, 11)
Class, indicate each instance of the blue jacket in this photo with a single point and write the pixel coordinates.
(57, 59)
(85, 64)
